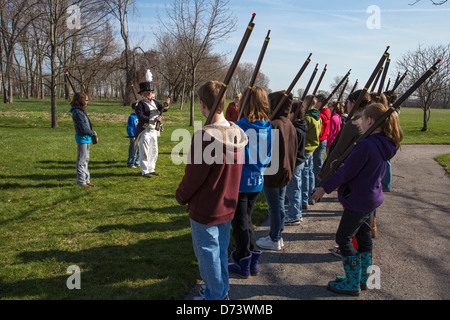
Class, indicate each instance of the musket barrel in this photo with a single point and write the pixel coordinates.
(369, 82)
(305, 93)
(254, 76)
(317, 86)
(383, 78)
(288, 91)
(231, 70)
(343, 90)
(335, 89)
(66, 74)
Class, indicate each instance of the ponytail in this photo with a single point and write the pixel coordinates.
(391, 126)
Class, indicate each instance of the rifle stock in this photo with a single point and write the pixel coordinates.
(288, 91)
(382, 118)
(231, 70)
(254, 76)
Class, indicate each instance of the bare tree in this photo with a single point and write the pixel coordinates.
(436, 3)
(15, 17)
(55, 14)
(119, 10)
(198, 25)
(417, 63)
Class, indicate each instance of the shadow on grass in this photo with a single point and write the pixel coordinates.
(160, 268)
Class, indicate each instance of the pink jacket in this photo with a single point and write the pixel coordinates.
(335, 126)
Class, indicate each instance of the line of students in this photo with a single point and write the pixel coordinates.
(221, 194)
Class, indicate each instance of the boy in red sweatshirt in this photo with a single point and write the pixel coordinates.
(210, 187)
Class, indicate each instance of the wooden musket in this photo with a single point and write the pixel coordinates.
(382, 118)
(342, 92)
(335, 89)
(366, 87)
(231, 70)
(305, 92)
(158, 123)
(317, 87)
(247, 93)
(288, 91)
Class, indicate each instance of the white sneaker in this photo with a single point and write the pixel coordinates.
(267, 243)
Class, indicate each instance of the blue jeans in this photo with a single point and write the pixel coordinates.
(294, 193)
(308, 180)
(210, 244)
(318, 156)
(275, 202)
(133, 155)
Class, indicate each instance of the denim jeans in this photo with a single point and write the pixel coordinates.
(83, 175)
(133, 155)
(275, 202)
(318, 156)
(294, 193)
(308, 180)
(210, 244)
(358, 225)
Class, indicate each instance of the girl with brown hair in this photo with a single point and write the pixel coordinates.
(84, 135)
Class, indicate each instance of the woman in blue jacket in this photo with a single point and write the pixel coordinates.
(83, 136)
(258, 153)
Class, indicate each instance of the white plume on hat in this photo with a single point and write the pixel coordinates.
(148, 76)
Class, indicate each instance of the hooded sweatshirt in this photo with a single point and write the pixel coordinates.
(314, 123)
(83, 131)
(359, 179)
(210, 185)
(325, 115)
(301, 128)
(286, 144)
(258, 153)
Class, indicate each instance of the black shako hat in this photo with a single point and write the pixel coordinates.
(145, 86)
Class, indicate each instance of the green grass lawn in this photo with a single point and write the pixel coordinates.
(128, 235)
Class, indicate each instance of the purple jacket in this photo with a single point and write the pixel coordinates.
(359, 179)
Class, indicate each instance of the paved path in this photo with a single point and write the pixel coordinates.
(412, 247)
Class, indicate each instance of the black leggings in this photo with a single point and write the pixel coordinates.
(242, 225)
(358, 224)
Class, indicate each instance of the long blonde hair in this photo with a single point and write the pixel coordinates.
(258, 105)
(391, 126)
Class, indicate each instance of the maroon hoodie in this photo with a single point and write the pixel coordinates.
(210, 185)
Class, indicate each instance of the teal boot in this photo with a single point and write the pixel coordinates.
(366, 262)
(352, 268)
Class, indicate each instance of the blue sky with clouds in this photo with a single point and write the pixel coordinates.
(336, 32)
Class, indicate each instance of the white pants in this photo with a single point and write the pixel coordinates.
(148, 150)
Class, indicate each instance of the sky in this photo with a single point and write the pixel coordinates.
(342, 34)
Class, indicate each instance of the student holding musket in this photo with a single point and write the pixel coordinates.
(359, 191)
(351, 131)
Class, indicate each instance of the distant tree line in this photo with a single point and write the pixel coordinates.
(40, 39)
